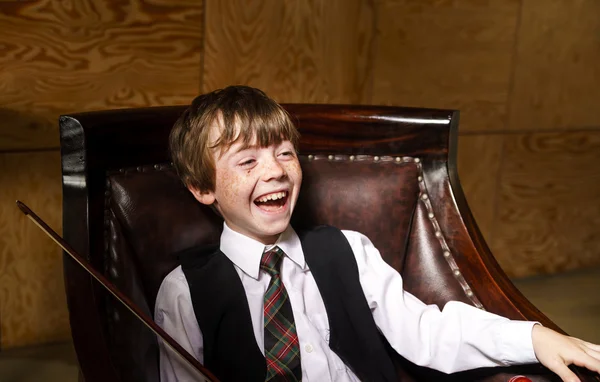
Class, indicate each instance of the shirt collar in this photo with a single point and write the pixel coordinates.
(246, 252)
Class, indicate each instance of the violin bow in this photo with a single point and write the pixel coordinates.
(133, 308)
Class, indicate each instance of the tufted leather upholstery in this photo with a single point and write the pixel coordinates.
(386, 172)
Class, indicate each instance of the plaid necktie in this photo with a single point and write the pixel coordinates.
(282, 351)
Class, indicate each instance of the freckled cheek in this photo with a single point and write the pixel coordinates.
(294, 171)
(233, 187)
(226, 185)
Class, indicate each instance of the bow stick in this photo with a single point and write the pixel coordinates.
(133, 308)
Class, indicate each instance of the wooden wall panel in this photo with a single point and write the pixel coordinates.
(59, 57)
(549, 210)
(64, 56)
(296, 51)
(447, 54)
(32, 296)
(557, 71)
(478, 167)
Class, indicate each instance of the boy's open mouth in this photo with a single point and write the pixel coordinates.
(272, 202)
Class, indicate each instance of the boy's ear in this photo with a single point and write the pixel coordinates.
(204, 197)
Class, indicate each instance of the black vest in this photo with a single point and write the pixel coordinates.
(221, 308)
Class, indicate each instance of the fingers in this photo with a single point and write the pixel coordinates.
(592, 346)
(564, 372)
(592, 353)
(588, 361)
(557, 351)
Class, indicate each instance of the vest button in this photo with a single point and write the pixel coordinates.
(308, 348)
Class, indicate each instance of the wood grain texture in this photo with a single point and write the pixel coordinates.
(296, 51)
(549, 209)
(557, 76)
(64, 56)
(32, 294)
(446, 54)
(478, 166)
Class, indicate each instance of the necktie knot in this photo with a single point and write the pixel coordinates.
(271, 260)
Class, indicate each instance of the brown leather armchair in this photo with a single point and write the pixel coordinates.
(387, 172)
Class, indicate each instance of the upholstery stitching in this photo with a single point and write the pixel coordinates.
(110, 269)
(423, 198)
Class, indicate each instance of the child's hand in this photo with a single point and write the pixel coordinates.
(557, 352)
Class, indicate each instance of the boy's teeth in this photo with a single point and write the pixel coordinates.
(274, 196)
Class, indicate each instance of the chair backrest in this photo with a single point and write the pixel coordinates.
(382, 171)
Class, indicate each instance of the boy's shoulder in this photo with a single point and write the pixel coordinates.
(174, 279)
(197, 256)
(175, 283)
(174, 288)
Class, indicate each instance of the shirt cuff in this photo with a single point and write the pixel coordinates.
(515, 342)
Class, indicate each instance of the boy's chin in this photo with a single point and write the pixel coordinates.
(273, 230)
(276, 229)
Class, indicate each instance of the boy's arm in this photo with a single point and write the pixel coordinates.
(457, 338)
(174, 313)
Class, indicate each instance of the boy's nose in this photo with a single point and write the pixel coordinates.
(273, 170)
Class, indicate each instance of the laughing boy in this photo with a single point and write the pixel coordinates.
(272, 304)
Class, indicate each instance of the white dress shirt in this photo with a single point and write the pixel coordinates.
(457, 338)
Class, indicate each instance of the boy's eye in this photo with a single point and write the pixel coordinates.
(247, 162)
(287, 153)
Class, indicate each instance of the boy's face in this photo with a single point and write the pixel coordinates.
(256, 188)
